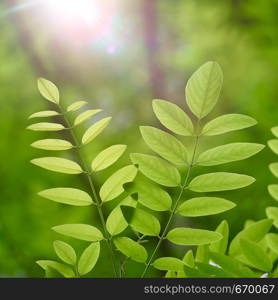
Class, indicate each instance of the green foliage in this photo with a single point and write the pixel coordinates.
(88, 258)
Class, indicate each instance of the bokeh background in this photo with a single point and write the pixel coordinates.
(119, 55)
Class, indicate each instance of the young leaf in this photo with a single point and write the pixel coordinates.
(95, 130)
(80, 231)
(84, 116)
(76, 105)
(44, 114)
(228, 153)
(171, 274)
(219, 181)
(65, 270)
(48, 90)
(203, 89)
(273, 145)
(113, 186)
(202, 254)
(52, 145)
(274, 169)
(150, 195)
(172, 117)
(164, 144)
(221, 246)
(272, 242)
(188, 259)
(57, 164)
(89, 258)
(157, 169)
(67, 196)
(204, 206)
(274, 130)
(131, 249)
(272, 213)
(227, 123)
(273, 191)
(44, 126)
(189, 236)
(108, 157)
(65, 252)
(254, 232)
(255, 255)
(168, 264)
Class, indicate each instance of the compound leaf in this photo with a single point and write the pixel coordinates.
(84, 116)
(65, 270)
(65, 252)
(76, 105)
(44, 114)
(48, 90)
(45, 126)
(88, 258)
(52, 145)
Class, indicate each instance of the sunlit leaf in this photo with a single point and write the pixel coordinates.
(190, 236)
(228, 153)
(203, 89)
(188, 258)
(57, 164)
(273, 145)
(45, 126)
(171, 274)
(131, 249)
(274, 169)
(213, 271)
(48, 90)
(84, 116)
(67, 196)
(157, 169)
(113, 186)
(52, 144)
(272, 242)
(172, 117)
(95, 130)
(204, 206)
(274, 130)
(65, 270)
(272, 213)
(219, 181)
(108, 157)
(221, 245)
(202, 254)
(168, 264)
(273, 191)
(88, 258)
(227, 123)
(52, 273)
(44, 114)
(65, 252)
(80, 231)
(164, 144)
(76, 105)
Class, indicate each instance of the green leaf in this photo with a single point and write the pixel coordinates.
(44, 114)
(76, 105)
(172, 117)
(57, 164)
(51, 273)
(113, 186)
(189, 236)
(228, 153)
(272, 242)
(255, 255)
(274, 169)
(171, 274)
(44, 126)
(219, 181)
(84, 116)
(194, 273)
(272, 213)
(227, 123)
(274, 131)
(65, 252)
(65, 270)
(131, 249)
(203, 89)
(80, 231)
(273, 145)
(202, 254)
(254, 233)
(221, 246)
(95, 130)
(164, 144)
(150, 195)
(213, 271)
(204, 206)
(89, 258)
(188, 259)
(157, 169)
(48, 90)
(67, 196)
(273, 191)
(168, 264)
(52, 145)
(108, 157)
(143, 222)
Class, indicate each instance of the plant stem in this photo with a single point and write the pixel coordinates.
(97, 201)
(173, 211)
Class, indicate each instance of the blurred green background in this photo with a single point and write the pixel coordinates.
(118, 56)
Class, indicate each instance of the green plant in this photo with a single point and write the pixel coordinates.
(143, 197)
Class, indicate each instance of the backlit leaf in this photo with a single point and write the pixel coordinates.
(65, 270)
(48, 90)
(57, 164)
(88, 258)
(274, 169)
(45, 126)
(52, 144)
(84, 116)
(76, 105)
(273, 191)
(65, 252)
(221, 245)
(273, 145)
(274, 130)
(44, 114)
(168, 264)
